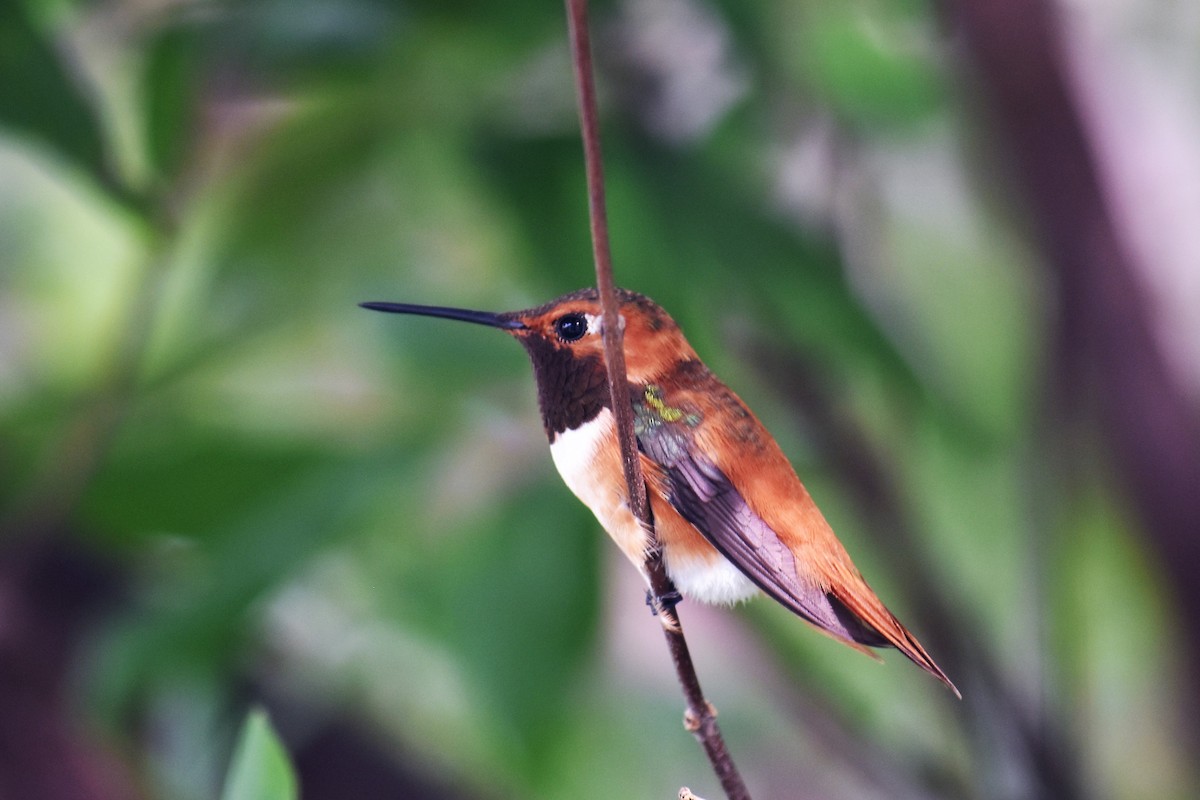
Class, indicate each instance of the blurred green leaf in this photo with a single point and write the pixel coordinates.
(260, 769)
(313, 41)
(185, 481)
(196, 616)
(520, 605)
(41, 98)
(171, 87)
(871, 62)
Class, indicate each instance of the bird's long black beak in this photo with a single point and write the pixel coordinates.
(493, 320)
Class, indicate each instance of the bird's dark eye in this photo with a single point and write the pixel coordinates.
(571, 327)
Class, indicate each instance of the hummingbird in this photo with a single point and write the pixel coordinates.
(730, 513)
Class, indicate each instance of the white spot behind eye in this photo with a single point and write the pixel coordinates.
(595, 322)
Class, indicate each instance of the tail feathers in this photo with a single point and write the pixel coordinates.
(879, 628)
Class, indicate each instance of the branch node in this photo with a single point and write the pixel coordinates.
(693, 722)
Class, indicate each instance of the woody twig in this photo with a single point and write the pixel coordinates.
(700, 717)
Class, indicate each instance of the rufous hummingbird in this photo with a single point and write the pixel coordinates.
(729, 511)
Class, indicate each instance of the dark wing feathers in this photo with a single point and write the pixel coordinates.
(705, 497)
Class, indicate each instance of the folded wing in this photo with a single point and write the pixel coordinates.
(708, 500)
(840, 605)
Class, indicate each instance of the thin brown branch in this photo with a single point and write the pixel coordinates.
(700, 717)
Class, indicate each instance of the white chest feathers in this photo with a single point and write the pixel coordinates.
(588, 459)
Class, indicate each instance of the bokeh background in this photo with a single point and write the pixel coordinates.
(947, 251)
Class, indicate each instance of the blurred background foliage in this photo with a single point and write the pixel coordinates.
(223, 484)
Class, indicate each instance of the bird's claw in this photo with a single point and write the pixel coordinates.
(665, 602)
